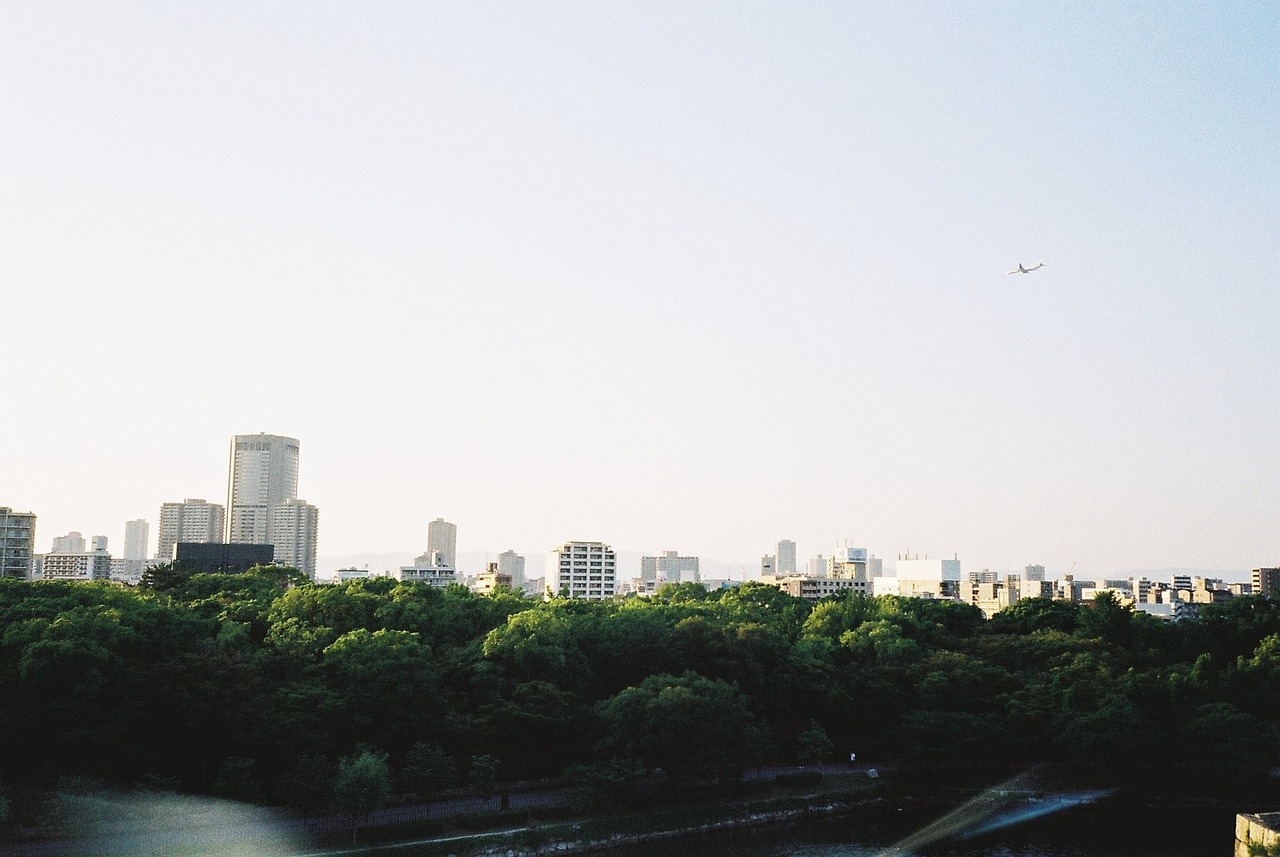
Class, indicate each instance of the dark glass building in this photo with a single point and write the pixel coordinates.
(219, 558)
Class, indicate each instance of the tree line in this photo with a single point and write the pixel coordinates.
(262, 686)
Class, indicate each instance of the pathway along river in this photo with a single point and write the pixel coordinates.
(1095, 830)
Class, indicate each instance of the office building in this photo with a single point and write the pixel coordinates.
(817, 566)
(262, 474)
(582, 570)
(928, 578)
(511, 564)
(220, 558)
(1033, 572)
(768, 565)
(1265, 581)
(669, 568)
(442, 543)
(849, 563)
(192, 521)
(786, 557)
(17, 542)
(293, 535)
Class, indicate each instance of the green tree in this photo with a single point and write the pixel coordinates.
(483, 776)
(427, 770)
(695, 728)
(362, 785)
(813, 746)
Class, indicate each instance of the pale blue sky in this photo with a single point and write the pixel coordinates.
(692, 276)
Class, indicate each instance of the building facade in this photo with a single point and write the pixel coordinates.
(93, 564)
(928, 578)
(17, 542)
(72, 542)
(670, 568)
(442, 543)
(1266, 581)
(582, 570)
(220, 557)
(262, 474)
(294, 524)
(511, 564)
(192, 521)
(786, 557)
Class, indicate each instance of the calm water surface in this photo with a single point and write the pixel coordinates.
(1092, 831)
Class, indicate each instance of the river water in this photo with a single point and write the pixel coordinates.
(1099, 830)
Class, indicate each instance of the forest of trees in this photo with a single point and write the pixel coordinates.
(265, 687)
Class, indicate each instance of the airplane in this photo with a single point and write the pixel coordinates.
(1022, 270)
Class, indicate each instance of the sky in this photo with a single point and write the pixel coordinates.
(669, 275)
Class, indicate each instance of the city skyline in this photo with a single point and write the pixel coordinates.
(742, 265)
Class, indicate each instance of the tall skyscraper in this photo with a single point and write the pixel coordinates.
(786, 557)
(135, 539)
(582, 570)
(442, 543)
(17, 542)
(293, 533)
(511, 564)
(262, 474)
(194, 521)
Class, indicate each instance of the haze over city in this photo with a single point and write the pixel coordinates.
(667, 276)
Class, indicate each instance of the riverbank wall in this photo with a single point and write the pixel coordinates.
(1258, 834)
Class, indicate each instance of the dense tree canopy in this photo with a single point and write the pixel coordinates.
(258, 685)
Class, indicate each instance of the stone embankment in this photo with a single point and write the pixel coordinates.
(777, 818)
(1257, 834)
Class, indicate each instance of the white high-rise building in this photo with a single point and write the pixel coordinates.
(786, 562)
(17, 542)
(262, 474)
(442, 543)
(582, 570)
(511, 564)
(293, 532)
(135, 539)
(192, 520)
(670, 568)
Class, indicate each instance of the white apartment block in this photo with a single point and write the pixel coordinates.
(293, 534)
(670, 568)
(432, 575)
(17, 542)
(582, 570)
(83, 565)
(192, 520)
